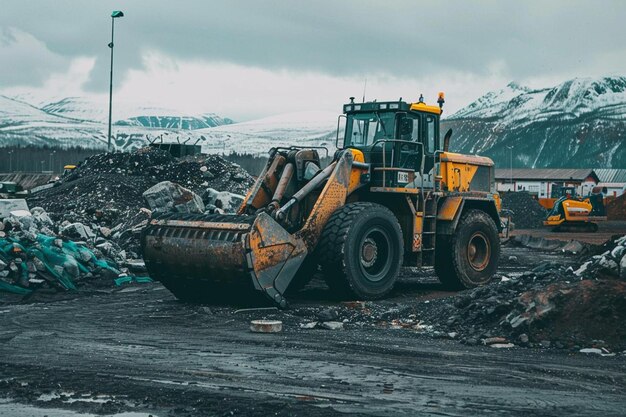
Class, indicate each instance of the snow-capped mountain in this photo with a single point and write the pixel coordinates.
(23, 124)
(79, 122)
(96, 109)
(579, 123)
(202, 121)
(309, 128)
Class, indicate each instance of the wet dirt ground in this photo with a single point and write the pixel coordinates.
(606, 230)
(139, 352)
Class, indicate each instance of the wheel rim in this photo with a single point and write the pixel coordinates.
(374, 254)
(479, 251)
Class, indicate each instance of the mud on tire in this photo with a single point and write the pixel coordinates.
(469, 257)
(361, 251)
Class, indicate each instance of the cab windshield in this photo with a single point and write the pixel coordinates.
(363, 129)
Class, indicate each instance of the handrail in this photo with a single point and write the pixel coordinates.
(337, 137)
(408, 142)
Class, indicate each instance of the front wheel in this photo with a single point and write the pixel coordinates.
(361, 250)
(469, 258)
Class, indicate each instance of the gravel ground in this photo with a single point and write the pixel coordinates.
(141, 351)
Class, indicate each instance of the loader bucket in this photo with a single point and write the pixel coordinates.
(222, 258)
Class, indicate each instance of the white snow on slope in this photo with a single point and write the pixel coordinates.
(24, 124)
(310, 128)
(567, 101)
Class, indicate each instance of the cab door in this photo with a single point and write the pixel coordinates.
(410, 154)
(431, 141)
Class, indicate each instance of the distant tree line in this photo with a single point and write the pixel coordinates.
(38, 159)
(45, 159)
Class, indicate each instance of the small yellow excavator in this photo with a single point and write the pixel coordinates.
(577, 214)
(393, 195)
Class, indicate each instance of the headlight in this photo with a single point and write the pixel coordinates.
(357, 107)
(382, 106)
(394, 106)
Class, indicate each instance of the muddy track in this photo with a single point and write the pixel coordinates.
(146, 352)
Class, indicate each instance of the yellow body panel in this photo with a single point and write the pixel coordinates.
(498, 201)
(425, 107)
(355, 174)
(457, 170)
(448, 209)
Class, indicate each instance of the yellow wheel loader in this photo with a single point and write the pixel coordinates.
(392, 196)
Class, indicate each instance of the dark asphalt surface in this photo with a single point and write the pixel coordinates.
(141, 351)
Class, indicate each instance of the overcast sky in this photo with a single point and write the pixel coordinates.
(248, 59)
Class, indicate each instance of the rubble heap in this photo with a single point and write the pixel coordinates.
(106, 191)
(548, 306)
(616, 208)
(37, 254)
(527, 212)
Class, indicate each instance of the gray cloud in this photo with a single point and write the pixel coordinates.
(25, 60)
(352, 37)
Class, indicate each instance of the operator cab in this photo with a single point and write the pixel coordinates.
(399, 139)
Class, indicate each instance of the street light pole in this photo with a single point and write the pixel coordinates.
(10, 162)
(114, 15)
(511, 166)
(50, 163)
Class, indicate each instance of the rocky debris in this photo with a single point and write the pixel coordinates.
(168, 196)
(607, 263)
(11, 204)
(527, 213)
(550, 306)
(38, 256)
(77, 231)
(573, 247)
(224, 201)
(105, 192)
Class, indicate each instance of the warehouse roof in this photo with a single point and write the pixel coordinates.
(611, 175)
(546, 174)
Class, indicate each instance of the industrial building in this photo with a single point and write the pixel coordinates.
(541, 182)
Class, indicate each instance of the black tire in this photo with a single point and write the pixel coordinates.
(361, 251)
(469, 258)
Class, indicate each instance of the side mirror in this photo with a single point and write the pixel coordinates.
(446, 140)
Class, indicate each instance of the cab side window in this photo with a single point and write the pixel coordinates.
(430, 134)
(415, 134)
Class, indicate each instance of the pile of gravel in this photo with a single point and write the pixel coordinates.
(527, 213)
(106, 190)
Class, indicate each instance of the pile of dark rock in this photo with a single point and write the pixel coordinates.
(107, 191)
(526, 212)
(38, 255)
(549, 306)
(581, 308)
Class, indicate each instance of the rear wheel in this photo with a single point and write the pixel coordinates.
(469, 258)
(361, 250)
